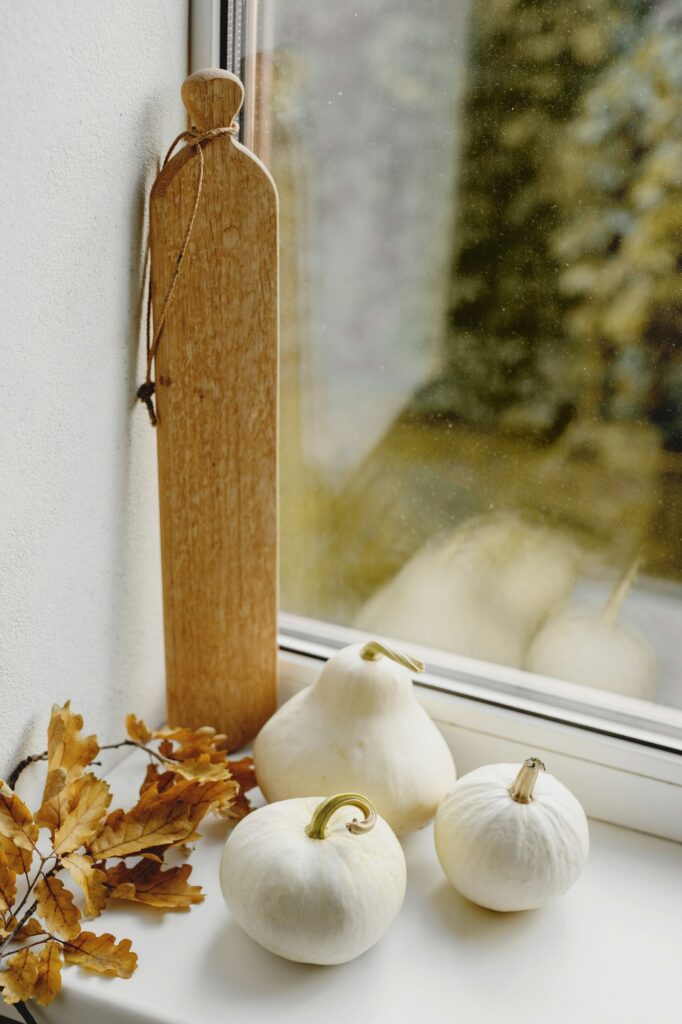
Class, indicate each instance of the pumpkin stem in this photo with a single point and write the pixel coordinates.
(317, 829)
(522, 788)
(620, 592)
(374, 649)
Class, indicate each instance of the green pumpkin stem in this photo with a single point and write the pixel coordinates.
(522, 788)
(317, 829)
(374, 649)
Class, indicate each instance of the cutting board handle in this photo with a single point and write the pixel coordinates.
(213, 98)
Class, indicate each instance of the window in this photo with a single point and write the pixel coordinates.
(481, 243)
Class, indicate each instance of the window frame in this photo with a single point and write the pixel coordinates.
(621, 756)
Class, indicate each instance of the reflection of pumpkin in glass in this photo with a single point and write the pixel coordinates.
(596, 649)
(482, 593)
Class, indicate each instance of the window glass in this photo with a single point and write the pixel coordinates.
(481, 229)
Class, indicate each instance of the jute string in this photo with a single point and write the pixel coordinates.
(194, 137)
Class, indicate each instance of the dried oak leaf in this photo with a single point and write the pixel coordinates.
(114, 819)
(16, 821)
(233, 804)
(188, 744)
(205, 736)
(8, 885)
(197, 795)
(29, 929)
(90, 879)
(137, 730)
(18, 981)
(87, 801)
(48, 984)
(200, 767)
(195, 746)
(148, 883)
(237, 810)
(18, 859)
(67, 749)
(141, 829)
(54, 783)
(156, 853)
(244, 774)
(200, 754)
(55, 906)
(151, 776)
(101, 953)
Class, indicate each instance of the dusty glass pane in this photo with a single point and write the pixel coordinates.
(481, 316)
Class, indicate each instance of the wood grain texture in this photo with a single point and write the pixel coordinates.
(216, 391)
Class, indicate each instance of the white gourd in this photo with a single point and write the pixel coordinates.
(360, 728)
(596, 649)
(511, 839)
(308, 881)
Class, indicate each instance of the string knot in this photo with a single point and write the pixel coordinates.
(145, 393)
(197, 135)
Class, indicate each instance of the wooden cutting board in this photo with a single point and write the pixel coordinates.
(216, 393)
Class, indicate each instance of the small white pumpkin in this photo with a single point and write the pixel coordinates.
(311, 889)
(596, 649)
(509, 839)
(360, 728)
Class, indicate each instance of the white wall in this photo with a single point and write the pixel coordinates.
(89, 96)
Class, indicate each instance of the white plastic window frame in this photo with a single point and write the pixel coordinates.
(622, 757)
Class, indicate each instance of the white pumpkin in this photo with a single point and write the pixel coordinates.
(511, 839)
(309, 882)
(360, 728)
(593, 648)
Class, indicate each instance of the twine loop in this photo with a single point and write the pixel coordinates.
(193, 137)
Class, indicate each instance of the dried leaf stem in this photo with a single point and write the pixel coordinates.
(24, 1012)
(26, 762)
(28, 914)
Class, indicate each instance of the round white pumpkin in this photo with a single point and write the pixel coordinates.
(510, 838)
(595, 648)
(585, 648)
(359, 728)
(310, 882)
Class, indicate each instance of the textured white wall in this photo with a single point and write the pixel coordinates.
(89, 96)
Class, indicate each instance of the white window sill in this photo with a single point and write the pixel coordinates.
(606, 952)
